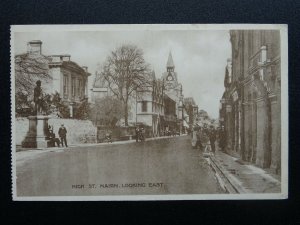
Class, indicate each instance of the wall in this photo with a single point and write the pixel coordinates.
(85, 130)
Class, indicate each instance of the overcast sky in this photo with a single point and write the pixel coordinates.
(199, 56)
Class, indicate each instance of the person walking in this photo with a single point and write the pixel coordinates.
(62, 133)
(198, 138)
(137, 133)
(212, 138)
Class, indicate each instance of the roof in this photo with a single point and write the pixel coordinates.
(170, 62)
(99, 81)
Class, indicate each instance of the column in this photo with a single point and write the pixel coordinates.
(263, 145)
(228, 127)
(276, 134)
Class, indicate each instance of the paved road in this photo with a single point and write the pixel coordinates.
(165, 166)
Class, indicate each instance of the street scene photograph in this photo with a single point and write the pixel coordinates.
(158, 112)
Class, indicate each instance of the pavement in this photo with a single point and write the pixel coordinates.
(236, 176)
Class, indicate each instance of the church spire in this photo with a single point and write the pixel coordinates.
(170, 63)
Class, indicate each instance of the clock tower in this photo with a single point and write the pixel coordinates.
(170, 76)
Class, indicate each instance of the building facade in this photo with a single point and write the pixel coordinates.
(192, 111)
(250, 107)
(69, 80)
(150, 109)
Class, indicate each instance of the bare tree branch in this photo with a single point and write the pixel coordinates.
(125, 70)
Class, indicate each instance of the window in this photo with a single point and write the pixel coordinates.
(144, 106)
(65, 85)
(73, 86)
(80, 88)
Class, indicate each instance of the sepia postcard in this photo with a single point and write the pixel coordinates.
(149, 112)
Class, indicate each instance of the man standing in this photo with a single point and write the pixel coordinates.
(198, 138)
(62, 132)
(137, 131)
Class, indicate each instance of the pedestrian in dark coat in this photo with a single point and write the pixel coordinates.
(199, 141)
(62, 133)
(137, 133)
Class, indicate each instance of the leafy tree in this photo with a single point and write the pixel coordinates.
(107, 111)
(124, 71)
(23, 106)
(29, 69)
(57, 106)
(83, 110)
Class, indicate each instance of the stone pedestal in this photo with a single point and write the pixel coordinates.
(37, 134)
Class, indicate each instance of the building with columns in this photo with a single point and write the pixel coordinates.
(69, 80)
(250, 106)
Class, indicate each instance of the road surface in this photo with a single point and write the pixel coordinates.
(164, 166)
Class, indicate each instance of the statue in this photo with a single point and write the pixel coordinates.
(38, 98)
(38, 131)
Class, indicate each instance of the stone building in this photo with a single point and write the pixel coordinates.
(69, 80)
(173, 89)
(192, 111)
(66, 77)
(250, 107)
(171, 85)
(150, 106)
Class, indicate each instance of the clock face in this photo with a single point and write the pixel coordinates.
(169, 78)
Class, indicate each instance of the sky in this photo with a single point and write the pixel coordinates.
(199, 56)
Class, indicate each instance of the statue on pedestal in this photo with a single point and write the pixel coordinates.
(38, 98)
(38, 132)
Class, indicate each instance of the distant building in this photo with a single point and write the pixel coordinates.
(192, 110)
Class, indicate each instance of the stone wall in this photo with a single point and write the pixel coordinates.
(79, 131)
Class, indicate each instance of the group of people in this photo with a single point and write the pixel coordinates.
(139, 134)
(62, 140)
(204, 136)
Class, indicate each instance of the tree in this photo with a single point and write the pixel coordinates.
(57, 106)
(28, 69)
(83, 110)
(107, 111)
(124, 71)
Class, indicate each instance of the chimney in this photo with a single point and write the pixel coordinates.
(65, 58)
(229, 62)
(85, 68)
(34, 47)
